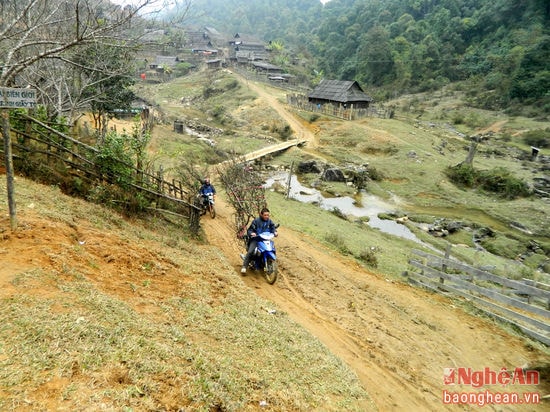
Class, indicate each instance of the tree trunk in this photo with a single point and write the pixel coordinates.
(471, 153)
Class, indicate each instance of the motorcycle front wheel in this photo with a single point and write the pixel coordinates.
(270, 271)
(212, 211)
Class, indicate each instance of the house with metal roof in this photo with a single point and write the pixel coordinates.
(340, 93)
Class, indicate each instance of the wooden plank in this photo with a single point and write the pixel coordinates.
(481, 274)
(493, 294)
(534, 334)
(432, 285)
(536, 284)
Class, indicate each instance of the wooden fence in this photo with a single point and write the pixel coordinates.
(297, 97)
(524, 303)
(301, 102)
(38, 142)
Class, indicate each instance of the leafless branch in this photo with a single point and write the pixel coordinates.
(244, 189)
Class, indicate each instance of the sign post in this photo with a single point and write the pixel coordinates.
(11, 98)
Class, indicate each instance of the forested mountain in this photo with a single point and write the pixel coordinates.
(501, 48)
(291, 20)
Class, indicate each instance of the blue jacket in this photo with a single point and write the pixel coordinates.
(206, 189)
(259, 225)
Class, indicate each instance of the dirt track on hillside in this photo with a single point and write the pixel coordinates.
(398, 339)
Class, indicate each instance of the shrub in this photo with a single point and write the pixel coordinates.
(233, 84)
(284, 131)
(458, 118)
(338, 242)
(182, 69)
(538, 138)
(462, 174)
(499, 180)
(501, 245)
(218, 112)
(313, 117)
(375, 174)
(337, 212)
(368, 256)
(114, 160)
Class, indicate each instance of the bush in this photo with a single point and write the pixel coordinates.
(218, 112)
(114, 162)
(501, 245)
(498, 180)
(284, 131)
(462, 174)
(233, 84)
(375, 174)
(458, 118)
(313, 117)
(368, 256)
(538, 138)
(338, 242)
(338, 213)
(182, 69)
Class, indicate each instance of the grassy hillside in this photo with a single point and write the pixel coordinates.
(129, 314)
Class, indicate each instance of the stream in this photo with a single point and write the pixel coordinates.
(370, 206)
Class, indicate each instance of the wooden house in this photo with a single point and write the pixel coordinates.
(266, 68)
(244, 49)
(164, 61)
(340, 93)
(214, 63)
(199, 42)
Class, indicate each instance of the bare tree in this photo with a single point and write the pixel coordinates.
(36, 32)
(245, 191)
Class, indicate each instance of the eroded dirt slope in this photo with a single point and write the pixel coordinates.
(398, 339)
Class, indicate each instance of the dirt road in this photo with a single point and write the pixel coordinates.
(302, 131)
(397, 339)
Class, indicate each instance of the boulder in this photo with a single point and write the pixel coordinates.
(333, 174)
(309, 166)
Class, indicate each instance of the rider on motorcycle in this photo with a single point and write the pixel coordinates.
(206, 189)
(259, 225)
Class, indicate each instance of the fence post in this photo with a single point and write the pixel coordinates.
(160, 174)
(289, 179)
(444, 266)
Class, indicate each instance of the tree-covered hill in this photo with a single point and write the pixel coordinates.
(502, 46)
(498, 49)
(266, 19)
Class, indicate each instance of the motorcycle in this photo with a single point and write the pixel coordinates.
(207, 205)
(264, 257)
